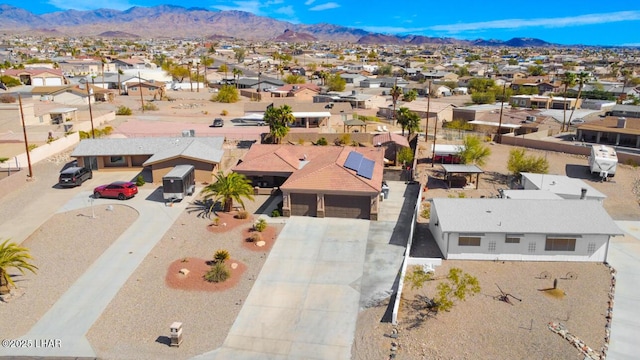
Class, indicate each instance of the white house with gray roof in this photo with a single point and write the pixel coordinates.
(522, 229)
(158, 154)
(561, 185)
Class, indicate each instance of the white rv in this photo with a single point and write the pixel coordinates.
(603, 161)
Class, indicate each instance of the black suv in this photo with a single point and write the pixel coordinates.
(74, 176)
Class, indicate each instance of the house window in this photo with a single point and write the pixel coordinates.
(469, 241)
(513, 238)
(492, 246)
(532, 247)
(591, 248)
(560, 244)
(116, 160)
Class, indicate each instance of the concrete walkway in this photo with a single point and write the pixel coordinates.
(624, 256)
(76, 310)
(319, 274)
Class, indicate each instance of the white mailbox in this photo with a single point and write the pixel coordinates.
(176, 333)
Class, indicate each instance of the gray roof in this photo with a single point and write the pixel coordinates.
(563, 185)
(461, 169)
(160, 148)
(538, 216)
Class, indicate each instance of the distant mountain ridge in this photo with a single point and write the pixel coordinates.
(171, 21)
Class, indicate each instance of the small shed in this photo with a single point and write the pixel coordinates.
(452, 173)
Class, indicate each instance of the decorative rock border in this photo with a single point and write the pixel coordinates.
(579, 344)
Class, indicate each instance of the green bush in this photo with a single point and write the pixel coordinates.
(344, 139)
(218, 273)
(275, 213)
(123, 110)
(221, 256)
(260, 225)
(226, 94)
(322, 142)
(32, 146)
(140, 180)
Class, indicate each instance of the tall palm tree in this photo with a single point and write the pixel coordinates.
(13, 256)
(403, 118)
(279, 119)
(395, 93)
(229, 188)
(236, 73)
(206, 62)
(568, 81)
(581, 79)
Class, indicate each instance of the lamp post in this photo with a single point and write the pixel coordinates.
(89, 92)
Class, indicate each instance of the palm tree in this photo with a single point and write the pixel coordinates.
(403, 118)
(236, 72)
(13, 256)
(395, 93)
(206, 62)
(581, 79)
(569, 80)
(279, 120)
(473, 151)
(229, 188)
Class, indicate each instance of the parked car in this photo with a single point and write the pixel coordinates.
(576, 122)
(118, 190)
(217, 122)
(74, 176)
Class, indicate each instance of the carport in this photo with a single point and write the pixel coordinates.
(450, 170)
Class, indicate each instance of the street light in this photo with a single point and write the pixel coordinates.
(89, 92)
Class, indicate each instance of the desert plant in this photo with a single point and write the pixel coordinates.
(140, 180)
(322, 142)
(216, 221)
(3, 159)
(218, 273)
(260, 225)
(405, 155)
(426, 210)
(221, 256)
(344, 139)
(242, 214)
(226, 94)
(458, 285)
(301, 141)
(473, 151)
(519, 162)
(13, 256)
(149, 106)
(418, 277)
(275, 213)
(355, 143)
(255, 237)
(229, 188)
(123, 110)
(32, 146)
(224, 113)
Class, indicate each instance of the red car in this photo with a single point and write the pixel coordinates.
(118, 190)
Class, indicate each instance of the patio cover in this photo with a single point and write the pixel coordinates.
(461, 169)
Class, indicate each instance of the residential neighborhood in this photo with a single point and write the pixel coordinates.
(317, 181)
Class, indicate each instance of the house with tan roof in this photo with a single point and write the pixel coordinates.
(37, 76)
(302, 92)
(321, 181)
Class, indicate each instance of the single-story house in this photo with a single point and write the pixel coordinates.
(159, 154)
(561, 185)
(611, 130)
(522, 229)
(37, 76)
(322, 181)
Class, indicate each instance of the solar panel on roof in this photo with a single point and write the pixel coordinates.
(353, 161)
(366, 168)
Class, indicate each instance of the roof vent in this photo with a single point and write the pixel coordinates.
(622, 123)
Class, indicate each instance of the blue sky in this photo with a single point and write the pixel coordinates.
(567, 22)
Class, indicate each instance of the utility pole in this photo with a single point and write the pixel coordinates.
(26, 142)
(140, 89)
(433, 155)
(504, 90)
(426, 128)
(93, 132)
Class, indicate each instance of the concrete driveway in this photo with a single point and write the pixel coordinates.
(624, 256)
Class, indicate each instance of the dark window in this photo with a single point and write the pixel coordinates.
(560, 244)
(117, 160)
(513, 238)
(469, 241)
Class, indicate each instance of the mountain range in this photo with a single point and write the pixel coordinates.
(170, 21)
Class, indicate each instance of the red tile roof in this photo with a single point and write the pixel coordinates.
(390, 137)
(322, 170)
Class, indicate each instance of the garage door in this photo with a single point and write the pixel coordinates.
(350, 207)
(304, 204)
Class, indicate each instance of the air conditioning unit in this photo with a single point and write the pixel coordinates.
(530, 119)
(189, 133)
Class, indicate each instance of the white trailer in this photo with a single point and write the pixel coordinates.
(603, 161)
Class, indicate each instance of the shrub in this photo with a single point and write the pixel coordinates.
(150, 106)
(221, 256)
(215, 222)
(218, 273)
(123, 110)
(140, 180)
(226, 94)
(300, 141)
(426, 210)
(3, 159)
(242, 214)
(344, 139)
(224, 113)
(322, 142)
(355, 143)
(7, 98)
(275, 213)
(32, 146)
(106, 131)
(254, 237)
(260, 225)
